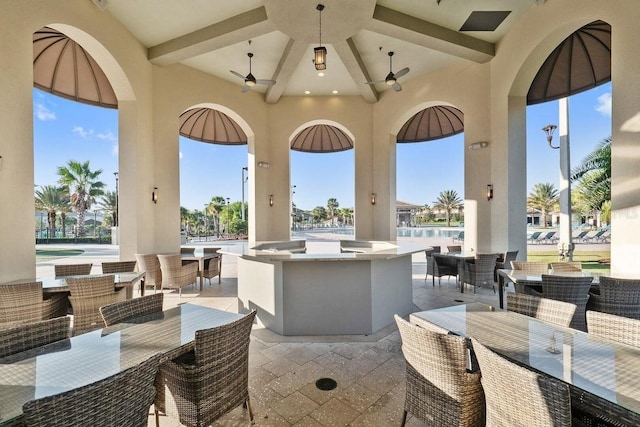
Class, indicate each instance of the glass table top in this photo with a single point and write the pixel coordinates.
(95, 355)
(605, 368)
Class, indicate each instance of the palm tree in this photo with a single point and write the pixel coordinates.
(215, 207)
(83, 187)
(448, 200)
(51, 199)
(319, 214)
(594, 177)
(543, 197)
(332, 205)
(107, 203)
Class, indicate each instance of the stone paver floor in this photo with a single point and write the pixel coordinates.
(369, 370)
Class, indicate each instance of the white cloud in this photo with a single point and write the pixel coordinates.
(604, 104)
(43, 113)
(80, 131)
(180, 155)
(107, 136)
(114, 150)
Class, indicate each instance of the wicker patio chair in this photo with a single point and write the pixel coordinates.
(64, 270)
(439, 389)
(175, 275)
(558, 312)
(31, 335)
(20, 303)
(212, 266)
(442, 266)
(188, 251)
(122, 311)
(88, 294)
(118, 267)
(480, 271)
(616, 296)
(206, 383)
(517, 396)
(574, 290)
(617, 328)
(566, 266)
(504, 261)
(429, 258)
(122, 399)
(454, 248)
(152, 273)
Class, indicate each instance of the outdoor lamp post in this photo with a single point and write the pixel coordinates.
(115, 220)
(565, 244)
(205, 222)
(228, 216)
(244, 179)
(293, 209)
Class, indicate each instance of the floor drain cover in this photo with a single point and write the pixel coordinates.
(458, 300)
(326, 384)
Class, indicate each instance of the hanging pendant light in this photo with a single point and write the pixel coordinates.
(320, 52)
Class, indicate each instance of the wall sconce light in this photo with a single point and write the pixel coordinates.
(270, 199)
(478, 145)
(489, 192)
(373, 198)
(154, 195)
(264, 165)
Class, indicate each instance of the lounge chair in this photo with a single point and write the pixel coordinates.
(594, 238)
(534, 237)
(459, 238)
(549, 237)
(580, 237)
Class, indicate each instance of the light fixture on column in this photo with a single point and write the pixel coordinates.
(154, 195)
(320, 52)
(489, 192)
(270, 199)
(548, 130)
(478, 145)
(373, 198)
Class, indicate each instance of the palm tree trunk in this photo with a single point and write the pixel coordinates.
(80, 223)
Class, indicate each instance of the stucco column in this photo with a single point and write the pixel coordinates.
(17, 219)
(625, 146)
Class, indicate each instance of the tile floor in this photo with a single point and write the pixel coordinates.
(369, 370)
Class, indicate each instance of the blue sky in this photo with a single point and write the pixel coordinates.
(66, 130)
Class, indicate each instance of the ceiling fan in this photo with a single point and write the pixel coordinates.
(392, 79)
(249, 79)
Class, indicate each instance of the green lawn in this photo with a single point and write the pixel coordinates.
(51, 254)
(591, 260)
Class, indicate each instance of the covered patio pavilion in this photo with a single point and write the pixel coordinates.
(153, 87)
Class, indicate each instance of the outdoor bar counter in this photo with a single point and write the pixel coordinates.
(326, 288)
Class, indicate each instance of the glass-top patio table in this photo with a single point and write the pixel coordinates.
(535, 279)
(59, 284)
(603, 375)
(96, 355)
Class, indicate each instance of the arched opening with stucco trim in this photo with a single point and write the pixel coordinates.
(564, 64)
(73, 72)
(213, 153)
(328, 179)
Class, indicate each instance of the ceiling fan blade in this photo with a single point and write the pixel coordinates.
(235, 73)
(265, 82)
(396, 86)
(402, 72)
(245, 89)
